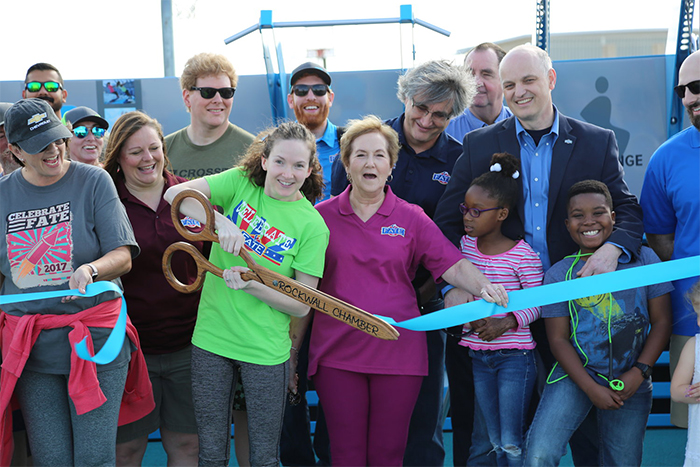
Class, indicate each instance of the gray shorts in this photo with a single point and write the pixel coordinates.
(172, 390)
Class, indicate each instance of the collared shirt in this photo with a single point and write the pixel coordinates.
(463, 124)
(328, 149)
(536, 164)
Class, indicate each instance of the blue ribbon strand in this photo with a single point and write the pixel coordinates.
(555, 293)
(115, 341)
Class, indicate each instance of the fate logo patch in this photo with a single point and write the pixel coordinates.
(394, 231)
(442, 178)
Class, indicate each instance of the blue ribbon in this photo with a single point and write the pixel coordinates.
(115, 341)
(555, 293)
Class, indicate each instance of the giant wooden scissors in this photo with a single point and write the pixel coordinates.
(338, 309)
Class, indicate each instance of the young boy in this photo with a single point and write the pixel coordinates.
(605, 346)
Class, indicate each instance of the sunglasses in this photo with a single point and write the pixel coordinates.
(35, 86)
(474, 212)
(82, 132)
(694, 87)
(209, 93)
(301, 90)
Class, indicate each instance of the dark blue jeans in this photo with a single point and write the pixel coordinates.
(503, 383)
(563, 408)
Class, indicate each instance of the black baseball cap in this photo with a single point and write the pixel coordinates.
(79, 114)
(310, 68)
(32, 125)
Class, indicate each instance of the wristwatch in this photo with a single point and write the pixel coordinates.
(644, 368)
(94, 271)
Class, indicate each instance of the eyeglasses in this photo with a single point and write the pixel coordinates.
(694, 87)
(209, 93)
(82, 132)
(35, 86)
(474, 212)
(423, 110)
(301, 90)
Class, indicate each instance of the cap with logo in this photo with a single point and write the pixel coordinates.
(78, 114)
(32, 125)
(310, 68)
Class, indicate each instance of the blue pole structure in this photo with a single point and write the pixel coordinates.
(684, 47)
(277, 80)
(542, 25)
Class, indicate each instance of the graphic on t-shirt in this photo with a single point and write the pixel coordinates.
(394, 231)
(600, 306)
(39, 246)
(262, 238)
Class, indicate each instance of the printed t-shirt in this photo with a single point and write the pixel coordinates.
(50, 231)
(629, 320)
(370, 265)
(191, 161)
(282, 236)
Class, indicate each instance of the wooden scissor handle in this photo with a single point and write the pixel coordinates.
(208, 230)
(203, 266)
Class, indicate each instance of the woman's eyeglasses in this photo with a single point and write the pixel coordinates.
(82, 132)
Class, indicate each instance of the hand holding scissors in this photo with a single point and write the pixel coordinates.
(316, 299)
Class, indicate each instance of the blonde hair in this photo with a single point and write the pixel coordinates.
(207, 64)
(693, 296)
(369, 124)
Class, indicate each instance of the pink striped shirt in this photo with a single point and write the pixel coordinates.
(517, 268)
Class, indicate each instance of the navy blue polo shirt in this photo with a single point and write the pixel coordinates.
(418, 178)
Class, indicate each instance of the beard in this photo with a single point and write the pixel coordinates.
(312, 122)
(56, 106)
(694, 119)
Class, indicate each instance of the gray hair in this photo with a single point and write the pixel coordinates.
(437, 81)
(540, 54)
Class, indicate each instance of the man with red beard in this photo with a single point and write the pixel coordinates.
(310, 97)
(671, 205)
(210, 143)
(44, 81)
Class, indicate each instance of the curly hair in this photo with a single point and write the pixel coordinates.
(262, 146)
(501, 182)
(123, 129)
(207, 64)
(368, 124)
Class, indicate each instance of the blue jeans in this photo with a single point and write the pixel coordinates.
(503, 384)
(563, 408)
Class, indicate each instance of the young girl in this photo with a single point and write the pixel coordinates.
(685, 385)
(501, 346)
(267, 208)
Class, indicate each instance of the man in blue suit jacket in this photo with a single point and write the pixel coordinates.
(555, 152)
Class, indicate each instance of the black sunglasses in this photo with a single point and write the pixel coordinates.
(694, 87)
(209, 93)
(301, 90)
(35, 86)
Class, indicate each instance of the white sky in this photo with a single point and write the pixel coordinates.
(102, 40)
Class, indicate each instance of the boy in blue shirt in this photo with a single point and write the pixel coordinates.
(605, 346)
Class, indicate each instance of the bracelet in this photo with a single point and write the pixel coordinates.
(295, 349)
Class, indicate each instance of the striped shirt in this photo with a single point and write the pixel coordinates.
(515, 269)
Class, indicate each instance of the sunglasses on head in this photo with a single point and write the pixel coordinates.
(35, 86)
(694, 87)
(82, 132)
(209, 93)
(301, 90)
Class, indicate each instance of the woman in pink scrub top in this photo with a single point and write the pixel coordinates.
(368, 387)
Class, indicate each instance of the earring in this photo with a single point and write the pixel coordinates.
(389, 178)
(347, 175)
